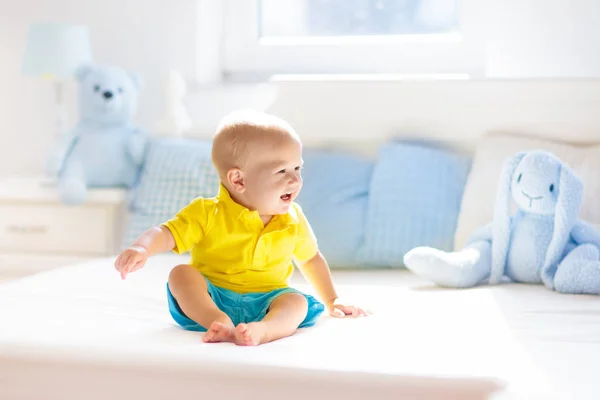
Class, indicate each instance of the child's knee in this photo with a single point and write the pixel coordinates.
(184, 275)
(291, 300)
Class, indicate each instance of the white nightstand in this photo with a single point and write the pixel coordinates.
(38, 232)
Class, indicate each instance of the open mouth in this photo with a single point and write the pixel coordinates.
(286, 197)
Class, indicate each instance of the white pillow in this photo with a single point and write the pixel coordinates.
(480, 190)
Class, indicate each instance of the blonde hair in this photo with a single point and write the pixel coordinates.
(239, 131)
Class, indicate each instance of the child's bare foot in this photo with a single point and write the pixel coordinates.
(251, 334)
(219, 332)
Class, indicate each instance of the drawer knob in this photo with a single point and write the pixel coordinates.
(27, 229)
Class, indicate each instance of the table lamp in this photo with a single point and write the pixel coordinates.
(54, 52)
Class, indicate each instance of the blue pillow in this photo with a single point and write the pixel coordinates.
(175, 172)
(415, 195)
(334, 200)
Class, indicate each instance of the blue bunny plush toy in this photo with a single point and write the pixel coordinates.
(104, 149)
(543, 242)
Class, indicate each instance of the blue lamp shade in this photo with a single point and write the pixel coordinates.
(55, 51)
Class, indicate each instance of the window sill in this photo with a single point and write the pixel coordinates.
(367, 77)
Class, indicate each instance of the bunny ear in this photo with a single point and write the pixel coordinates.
(501, 225)
(568, 204)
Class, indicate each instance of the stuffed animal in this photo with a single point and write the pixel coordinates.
(104, 149)
(175, 120)
(543, 242)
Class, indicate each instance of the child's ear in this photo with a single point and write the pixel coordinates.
(235, 178)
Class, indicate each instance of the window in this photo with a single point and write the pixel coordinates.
(407, 37)
(351, 18)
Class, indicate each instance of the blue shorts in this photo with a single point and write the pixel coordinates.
(243, 308)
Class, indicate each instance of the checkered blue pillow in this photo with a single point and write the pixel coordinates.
(175, 172)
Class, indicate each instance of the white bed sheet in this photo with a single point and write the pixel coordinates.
(82, 333)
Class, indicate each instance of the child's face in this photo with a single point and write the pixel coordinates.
(272, 177)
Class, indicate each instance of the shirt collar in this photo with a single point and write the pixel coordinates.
(236, 209)
(239, 211)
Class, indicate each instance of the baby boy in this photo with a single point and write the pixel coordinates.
(244, 242)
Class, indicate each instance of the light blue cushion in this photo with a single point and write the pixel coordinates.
(334, 200)
(175, 172)
(414, 200)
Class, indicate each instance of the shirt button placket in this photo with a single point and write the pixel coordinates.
(259, 253)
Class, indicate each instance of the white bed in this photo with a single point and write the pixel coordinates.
(81, 333)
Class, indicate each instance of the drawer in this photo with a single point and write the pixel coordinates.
(53, 228)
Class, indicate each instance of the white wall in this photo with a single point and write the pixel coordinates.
(544, 38)
(152, 36)
(360, 115)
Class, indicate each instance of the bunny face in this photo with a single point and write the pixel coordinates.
(535, 184)
(541, 184)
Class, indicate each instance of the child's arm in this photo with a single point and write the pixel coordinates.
(155, 240)
(317, 273)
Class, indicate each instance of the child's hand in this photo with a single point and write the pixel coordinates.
(339, 310)
(130, 260)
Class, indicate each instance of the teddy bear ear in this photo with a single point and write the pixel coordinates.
(82, 71)
(136, 79)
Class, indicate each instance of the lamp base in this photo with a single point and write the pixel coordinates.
(61, 110)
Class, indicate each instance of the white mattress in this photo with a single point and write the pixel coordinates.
(82, 333)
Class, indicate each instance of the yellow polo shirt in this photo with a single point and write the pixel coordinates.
(232, 248)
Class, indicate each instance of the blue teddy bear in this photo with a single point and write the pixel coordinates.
(543, 242)
(104, 149)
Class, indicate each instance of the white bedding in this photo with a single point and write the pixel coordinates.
(82, 333)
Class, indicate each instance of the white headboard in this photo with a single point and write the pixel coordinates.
(362, 114)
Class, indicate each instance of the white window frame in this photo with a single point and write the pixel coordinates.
(244, 57)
